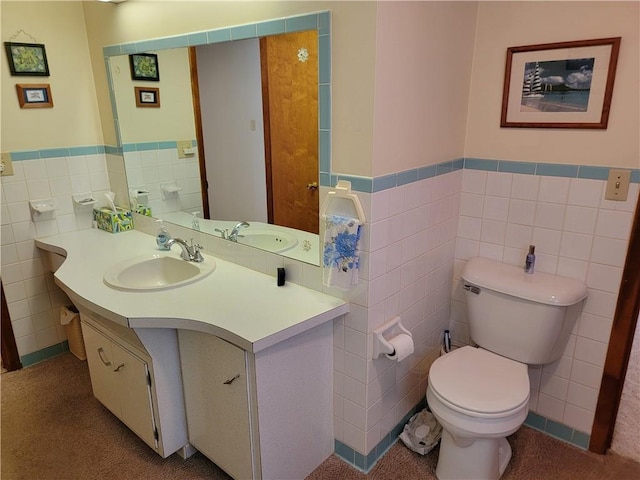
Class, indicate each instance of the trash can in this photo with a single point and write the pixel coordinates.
(70, 318)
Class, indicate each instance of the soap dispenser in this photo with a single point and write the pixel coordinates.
(195, 222)
(162, 237)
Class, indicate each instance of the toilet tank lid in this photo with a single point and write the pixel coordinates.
(511, 280)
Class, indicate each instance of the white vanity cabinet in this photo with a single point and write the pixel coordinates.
(123, 379)
(265, 415)
(217, 401)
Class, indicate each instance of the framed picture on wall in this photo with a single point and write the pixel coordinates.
(147, 97)
(144, 66)
(560, 85)
(34, 96)
(27, 59)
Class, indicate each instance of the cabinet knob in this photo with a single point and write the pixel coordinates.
(230, 381)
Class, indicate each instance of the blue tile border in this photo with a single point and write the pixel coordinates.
(365, 463)
(360, 183)
(44, 354)
(558, 430)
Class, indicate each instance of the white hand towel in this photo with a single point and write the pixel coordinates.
(341, 255)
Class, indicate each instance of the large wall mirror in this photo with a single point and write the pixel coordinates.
(235, 128)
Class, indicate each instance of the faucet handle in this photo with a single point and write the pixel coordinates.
(223, 233)
(197, 256)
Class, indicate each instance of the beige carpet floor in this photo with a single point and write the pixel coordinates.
(53, 429)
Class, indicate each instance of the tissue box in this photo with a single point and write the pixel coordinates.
(144, 210)
(112, 222)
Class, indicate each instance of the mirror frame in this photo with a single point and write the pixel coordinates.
(319, 21)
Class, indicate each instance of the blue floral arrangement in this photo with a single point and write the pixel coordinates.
(340, 252)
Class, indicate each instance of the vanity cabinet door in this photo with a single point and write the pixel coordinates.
(214, 376)
(120, 381)
(101, 361)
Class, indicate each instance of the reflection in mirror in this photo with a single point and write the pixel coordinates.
(239, 117)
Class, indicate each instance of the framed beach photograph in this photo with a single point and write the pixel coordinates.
(560, 85)
(144, 66)
(27, 59)
(147, 97)
(34, 96)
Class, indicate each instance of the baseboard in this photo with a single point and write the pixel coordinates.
(44, 354)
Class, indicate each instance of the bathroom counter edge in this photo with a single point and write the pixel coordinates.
(234, 303)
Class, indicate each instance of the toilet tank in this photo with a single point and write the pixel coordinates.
(525, 317)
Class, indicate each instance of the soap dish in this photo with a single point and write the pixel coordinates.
(83, 199)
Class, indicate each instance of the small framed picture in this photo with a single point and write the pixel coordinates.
(34, 96)
(27, 59)
(147, 97)
(144, 66)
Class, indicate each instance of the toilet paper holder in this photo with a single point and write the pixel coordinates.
(384, 333)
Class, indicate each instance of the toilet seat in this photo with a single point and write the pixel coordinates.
(479, 383)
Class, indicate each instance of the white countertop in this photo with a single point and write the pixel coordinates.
(235, 303)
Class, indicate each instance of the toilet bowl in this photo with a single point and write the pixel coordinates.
(481, 395)
(479, 398)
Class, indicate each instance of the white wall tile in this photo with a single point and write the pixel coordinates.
(580, 219)
(585, 192)
(586, 374)
(496, 208)
(525, 187)
(609, 251)
(550, 407)
(603, 277)
(613, 224)
(471, 204)
(493, 231)
(474, 181)
(546, 240)
(590, 351)
(576, 245)
(554, 189)
(550, 215)
(578, 418)
(522, 212)
(554, 386)
(499, 184)
(34, 170)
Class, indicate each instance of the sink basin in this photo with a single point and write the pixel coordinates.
(156, 272)
(275, 242)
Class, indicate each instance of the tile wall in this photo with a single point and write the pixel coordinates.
(152, 165)
(33, 300)
(407, 266)
(577, 234)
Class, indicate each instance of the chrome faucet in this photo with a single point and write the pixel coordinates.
(233, 236)
(190, 253)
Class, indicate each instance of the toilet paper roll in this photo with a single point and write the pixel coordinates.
(402, 347)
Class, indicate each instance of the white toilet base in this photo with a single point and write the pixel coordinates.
(484, 459)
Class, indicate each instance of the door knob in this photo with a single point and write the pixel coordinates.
(312, 186)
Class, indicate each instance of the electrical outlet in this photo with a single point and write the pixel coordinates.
(6, 166)
(618, 185)
(185, 149)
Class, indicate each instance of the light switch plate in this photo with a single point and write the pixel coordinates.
(7, 165)
(618, 185)
(182, 146)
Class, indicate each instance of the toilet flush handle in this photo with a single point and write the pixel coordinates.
(472, 289)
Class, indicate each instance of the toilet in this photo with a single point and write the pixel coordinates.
(480, 395)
